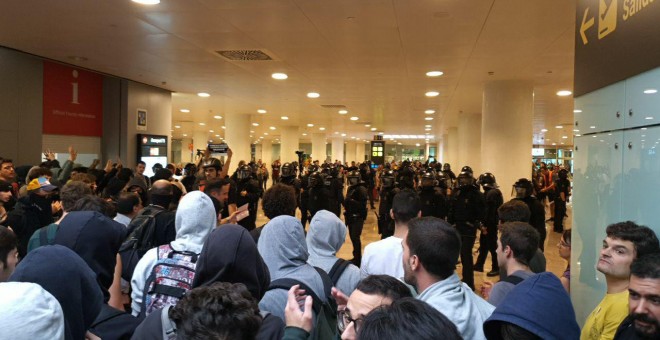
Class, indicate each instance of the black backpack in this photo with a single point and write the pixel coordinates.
(337, 269)
(325, 325)
(141, 237)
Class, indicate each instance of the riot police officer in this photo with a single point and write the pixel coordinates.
(247, 192)
(405, 176)
(387, 192)
(335, 186)
(451, 177)
(524, 191)
(355, 212)
(432, 198)
(304, 195)
(318, 194)
(488, 237)
(288, 177)
(467, 212)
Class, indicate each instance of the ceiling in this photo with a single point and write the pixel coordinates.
(370, 56)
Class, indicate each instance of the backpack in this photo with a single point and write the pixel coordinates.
(170, 279)
(141, 237)
(325, 322)
(337, 269)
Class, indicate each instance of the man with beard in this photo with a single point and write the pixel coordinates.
(625, 242)
(430, 254)
(644, 300)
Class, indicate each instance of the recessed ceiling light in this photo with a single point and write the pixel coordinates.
(554, 143)
(336, 133)
(322, 128)
(650, 91)
(177, 126)
(352, 137)
(398, 143)
(343, 135)
(592, 127)
(310, 125)
(304, 134)
(432, 94)
(261, 111)
(284, 118)
(429, 112)
(343, 112)
(265, 133)
(279, 76)
(354, 118)
(559, 127)
(184, 110)
(255, 124)
(367, 125)
(564, 93)
(217, 135)
(211, 131)
(217, 117)
(416, 144)
(564, 137)
(202, 124)
(223, 127)
(427, 125)
(147, 2)
(576, 130)
(544, 130)
(272, 128)
(373, 129)
(185, 135)
(313, 95)
(203, 94)
(427, 129)
(428, 118)
(434, 73)
(648, 118)
(577, 111)
(380, 133)
(578, 135)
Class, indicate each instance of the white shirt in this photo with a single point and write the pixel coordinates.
(123, 219)
(383, 257)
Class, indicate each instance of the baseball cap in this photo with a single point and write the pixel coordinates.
(41, 183)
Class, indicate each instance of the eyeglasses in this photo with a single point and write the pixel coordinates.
(344, 319)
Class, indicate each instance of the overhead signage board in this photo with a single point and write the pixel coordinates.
(377, 153)
(614, 40)
(218, 148)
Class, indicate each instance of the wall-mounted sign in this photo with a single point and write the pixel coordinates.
(141, 120)
(377, 152)
(72, 101)
(152, 149)
(614, 40)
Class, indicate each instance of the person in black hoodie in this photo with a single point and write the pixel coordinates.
(228, 255)
(64, 275)
(96, 239)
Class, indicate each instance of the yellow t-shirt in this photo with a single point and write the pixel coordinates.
(606, 318)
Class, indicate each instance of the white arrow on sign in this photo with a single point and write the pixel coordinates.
(586, 24)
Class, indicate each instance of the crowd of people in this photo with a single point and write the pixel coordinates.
(91, 253)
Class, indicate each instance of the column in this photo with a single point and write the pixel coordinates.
(440, 150)
(469, 142)
(506, 132)
(337, 149)
(350, 152)
(318, 147)
(445, 147)
(360, 151)
(185, 151)
(267, 153)
(237, 132)
(451, 156)
(289, 138)
(427, 149)
(257, 152)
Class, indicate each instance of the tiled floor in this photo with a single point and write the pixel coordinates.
(555, 264)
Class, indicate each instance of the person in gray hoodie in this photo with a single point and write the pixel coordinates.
(327, 233)
(29, 312)
(195, 219)
(282, 246)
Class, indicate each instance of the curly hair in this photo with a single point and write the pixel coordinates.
(279, 200)
(220, 311)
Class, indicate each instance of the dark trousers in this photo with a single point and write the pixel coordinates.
(355, 225)
(468, 236)
(370, 193)
(488, 243)
(560, 211)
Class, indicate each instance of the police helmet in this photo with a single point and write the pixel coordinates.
(244, 172)
(487, 180)
(523, 188)
(288, 170)
(353, 177)
(467, 168)
(441, 179)
(465, 179)
(211, 163)
(315, 179)
(563, 174)
(387, 179)
(428, 179)
(446, 167)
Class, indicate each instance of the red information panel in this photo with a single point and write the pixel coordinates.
(73, 101)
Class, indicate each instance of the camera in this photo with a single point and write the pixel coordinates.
(300, 153)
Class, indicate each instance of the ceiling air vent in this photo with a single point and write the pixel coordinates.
(244, 55)
(329, 106)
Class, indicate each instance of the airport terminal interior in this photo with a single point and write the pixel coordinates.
(538, 99)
